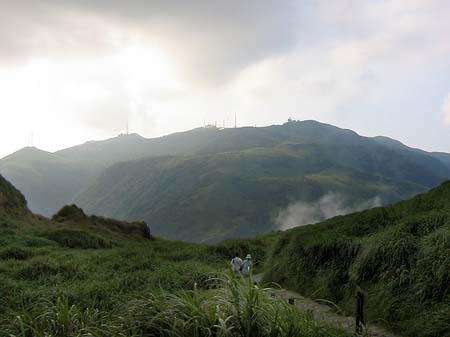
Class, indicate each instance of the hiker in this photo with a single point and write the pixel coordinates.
(236, 263)
(247, 265)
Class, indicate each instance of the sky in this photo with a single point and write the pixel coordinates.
(73, 71)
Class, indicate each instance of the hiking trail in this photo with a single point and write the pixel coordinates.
(326, 313)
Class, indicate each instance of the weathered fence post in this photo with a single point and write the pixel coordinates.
(360, 299)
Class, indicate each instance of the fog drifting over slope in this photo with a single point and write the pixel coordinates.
(329, 205)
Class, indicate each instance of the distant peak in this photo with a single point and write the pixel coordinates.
(130, 135)
(29, 151)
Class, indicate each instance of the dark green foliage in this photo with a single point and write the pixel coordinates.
(399, 254)
(15, 253)
(12, 202)
(43, 268)
(258, 247)
(433, 282)
(69, 213)
(394, 252)
(72, 214)
(77, 239)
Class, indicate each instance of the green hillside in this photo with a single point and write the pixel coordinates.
(79, 275)
(51, 180)
(47, 180)
(240, 193)
(399, 255)
(12, 202)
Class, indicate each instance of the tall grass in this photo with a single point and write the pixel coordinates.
(230, 307)
(59, 319)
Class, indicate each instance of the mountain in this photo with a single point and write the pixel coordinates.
(237, 184)
(191, 185)
(396, 145)
(399, 255)
(46, 179)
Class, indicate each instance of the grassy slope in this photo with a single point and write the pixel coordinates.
(399, 254)
(94, 261)
(239, 194)
(79, 275)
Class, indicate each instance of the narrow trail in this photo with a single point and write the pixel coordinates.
(326, 313)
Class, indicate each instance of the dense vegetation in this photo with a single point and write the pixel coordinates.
(210, 184)
(399, 255)
(239, 193)
(79, 275)
(11, 201)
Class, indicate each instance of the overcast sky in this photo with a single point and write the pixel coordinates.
(72, 71)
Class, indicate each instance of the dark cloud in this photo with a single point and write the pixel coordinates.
(211, 40)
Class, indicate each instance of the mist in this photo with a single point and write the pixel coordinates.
(329, 205)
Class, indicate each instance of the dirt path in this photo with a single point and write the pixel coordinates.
(326, 313)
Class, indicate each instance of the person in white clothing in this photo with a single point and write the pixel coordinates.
(247, 265)
(236, 263)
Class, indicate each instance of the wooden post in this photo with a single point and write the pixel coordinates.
(360, 299)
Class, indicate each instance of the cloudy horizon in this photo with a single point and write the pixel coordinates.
(74, 71)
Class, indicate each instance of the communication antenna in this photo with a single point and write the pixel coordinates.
(31, 141)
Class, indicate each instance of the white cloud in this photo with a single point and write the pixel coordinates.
(87, 66)
(446, 109)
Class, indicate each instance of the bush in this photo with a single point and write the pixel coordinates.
(39, 269)
(77, 239)
(69, 213)
(15, 253)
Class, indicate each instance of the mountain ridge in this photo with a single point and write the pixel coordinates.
(267, 168)
(215, 195)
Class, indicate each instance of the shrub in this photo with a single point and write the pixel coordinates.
(15, 253)
(41, 268)
(69, 213)
(77, 239)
